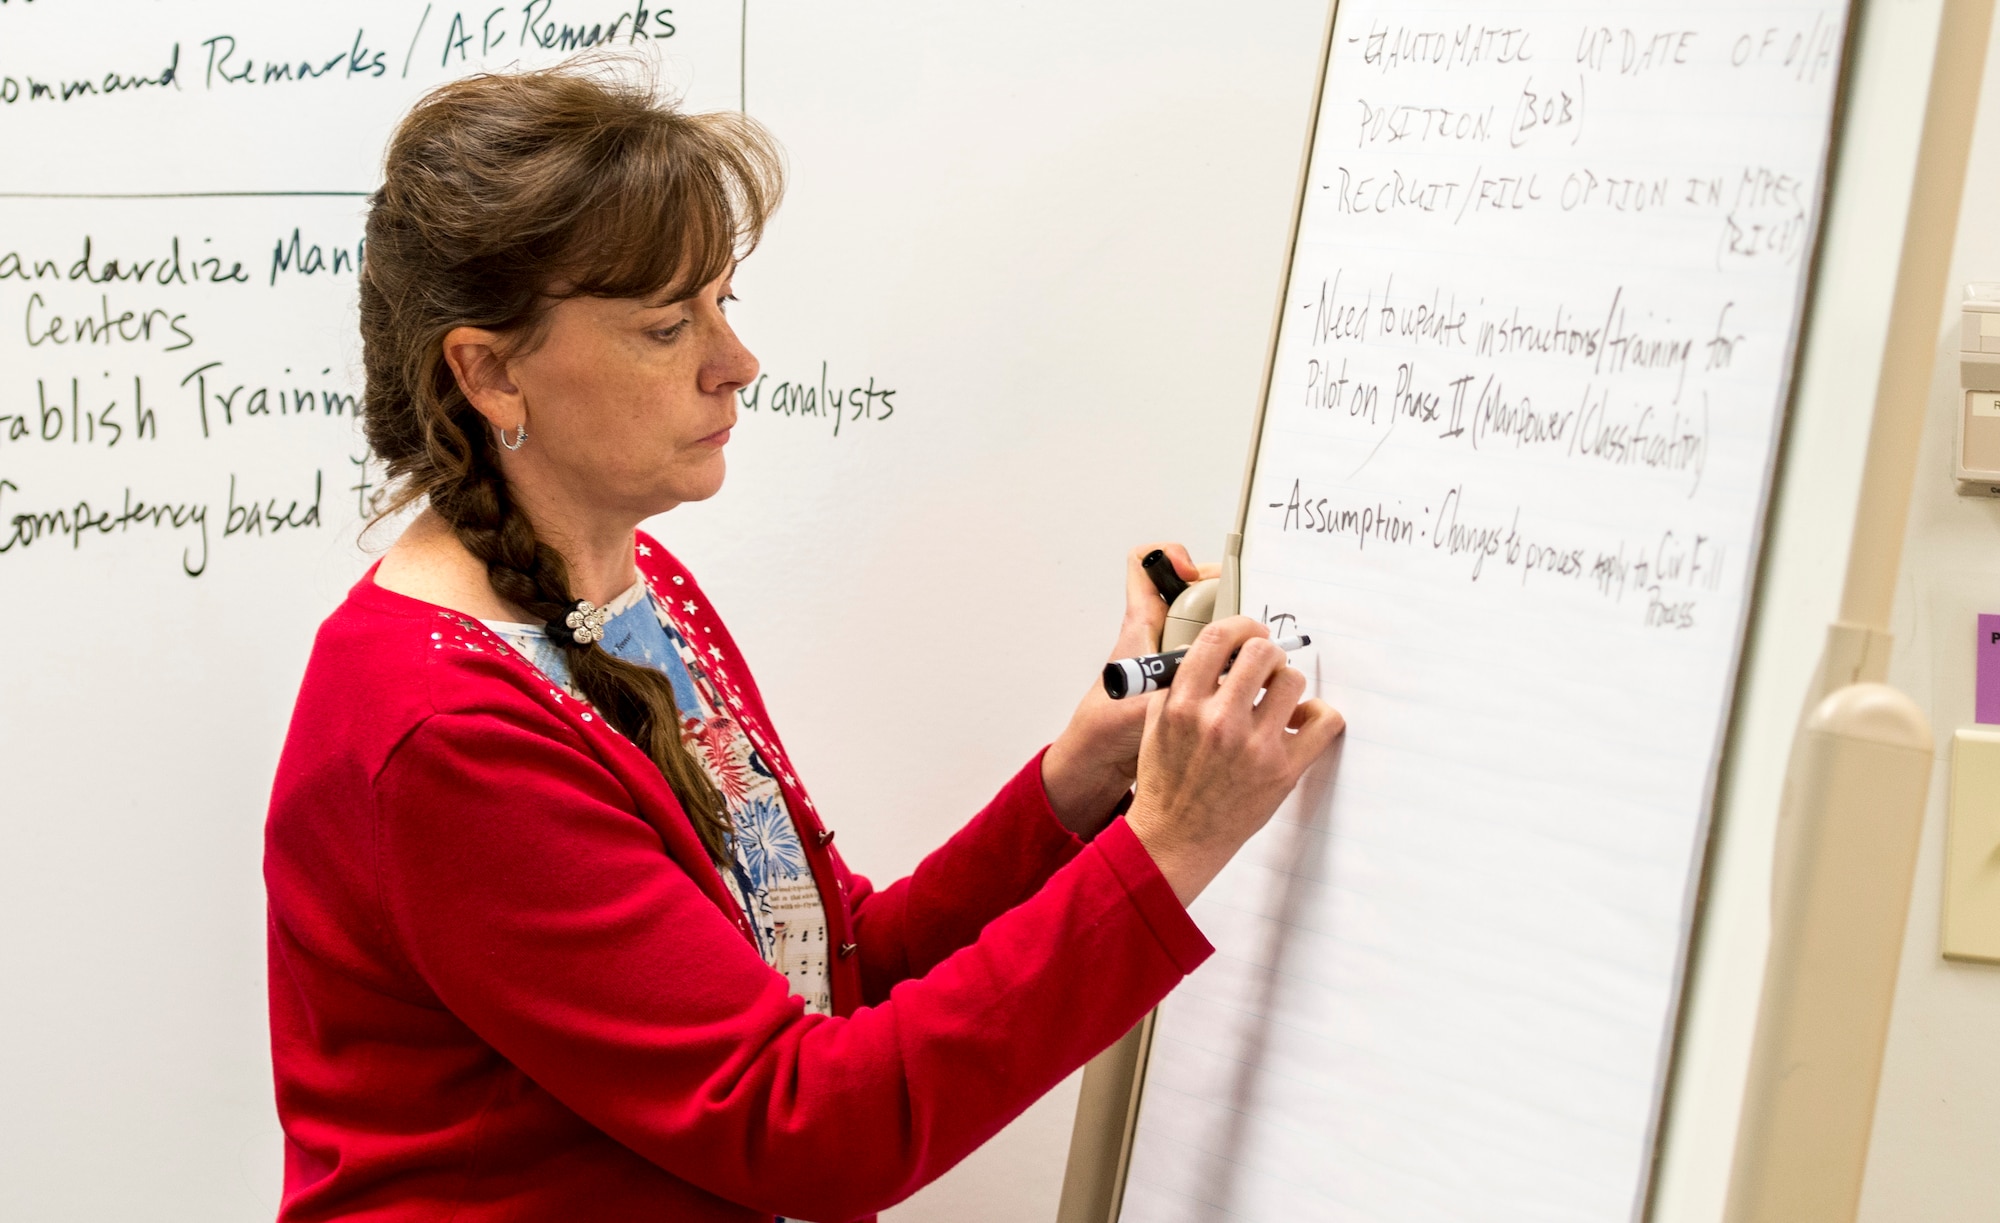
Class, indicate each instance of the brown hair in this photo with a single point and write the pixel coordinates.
(500, 195)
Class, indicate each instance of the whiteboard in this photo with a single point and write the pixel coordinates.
(1529, 375)
(989, 212)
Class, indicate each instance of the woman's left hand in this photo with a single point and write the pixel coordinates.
(1091, 765)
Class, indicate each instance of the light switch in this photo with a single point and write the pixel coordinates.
(1972, 848)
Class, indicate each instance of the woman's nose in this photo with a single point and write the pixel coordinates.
(730, 366)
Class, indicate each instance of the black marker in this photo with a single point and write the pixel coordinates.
(1169, 583)
(1148, 672)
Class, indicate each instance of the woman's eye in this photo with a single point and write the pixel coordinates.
(670, 333)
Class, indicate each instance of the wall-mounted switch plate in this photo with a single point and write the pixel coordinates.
(1972, 848)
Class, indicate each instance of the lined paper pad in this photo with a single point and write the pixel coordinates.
(1529, 380)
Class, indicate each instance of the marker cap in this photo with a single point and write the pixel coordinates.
(1123, 678)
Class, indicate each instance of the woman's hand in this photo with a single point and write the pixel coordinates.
(1094, 762)
(1217, 760)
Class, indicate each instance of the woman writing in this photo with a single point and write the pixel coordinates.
(555, 930)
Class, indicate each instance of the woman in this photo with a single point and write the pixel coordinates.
(555, 930)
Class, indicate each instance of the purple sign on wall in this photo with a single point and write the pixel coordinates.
(1986, 698)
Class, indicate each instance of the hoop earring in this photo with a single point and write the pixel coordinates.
(520, 437)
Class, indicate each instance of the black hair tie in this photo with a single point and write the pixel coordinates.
(584, 625)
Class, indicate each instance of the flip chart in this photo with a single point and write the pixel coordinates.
(1529, 379)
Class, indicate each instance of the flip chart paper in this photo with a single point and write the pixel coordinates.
(1530, 374)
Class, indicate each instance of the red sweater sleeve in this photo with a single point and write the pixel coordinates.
(995, 862)
(541, 911)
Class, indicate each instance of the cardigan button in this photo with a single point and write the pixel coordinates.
(824, 836)
(847, 949)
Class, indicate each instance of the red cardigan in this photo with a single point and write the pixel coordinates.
(506, 983)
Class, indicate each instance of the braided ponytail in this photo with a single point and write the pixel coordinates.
(637, 700)
(497, 190)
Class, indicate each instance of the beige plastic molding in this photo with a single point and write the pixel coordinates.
(1847, 848)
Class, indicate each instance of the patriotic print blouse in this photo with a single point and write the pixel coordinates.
(770, 876)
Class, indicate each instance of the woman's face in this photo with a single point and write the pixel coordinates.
(628, 404)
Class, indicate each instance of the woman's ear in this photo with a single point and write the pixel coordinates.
(474, 355)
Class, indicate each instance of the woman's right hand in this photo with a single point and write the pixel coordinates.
(1216, 760)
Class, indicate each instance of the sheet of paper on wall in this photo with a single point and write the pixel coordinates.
(1529, 381)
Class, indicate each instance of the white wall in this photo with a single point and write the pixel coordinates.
(1936, 1150)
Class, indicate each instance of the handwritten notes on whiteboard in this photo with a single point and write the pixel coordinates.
(1535, 350)
(179, 244)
